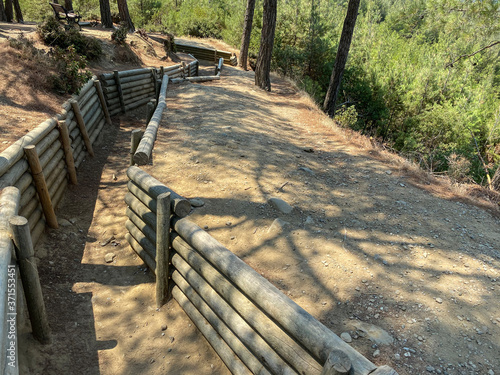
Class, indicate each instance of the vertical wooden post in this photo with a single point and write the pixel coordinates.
(162, 72)
(183, 63)
(81, 126)
(29, 276)
(104, 106)
(155, 82)
(68, 153)
(150, 109)
(134, 143)
(41, 186)
(159, 82)
(119, 88)
(162, 248)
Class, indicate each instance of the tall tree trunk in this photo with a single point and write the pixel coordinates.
(19, 13)
(341, 58)
(106, 19)
(247, 32)
(125, 15)
(9, 11)
(263, 66)
(68, 4)
(3, 16)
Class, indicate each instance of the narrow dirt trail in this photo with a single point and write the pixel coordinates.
(362, 244)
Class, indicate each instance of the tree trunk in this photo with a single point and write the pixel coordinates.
(9, 11)
(125, 15)
(247, 31)
(106, 19)
(68, 4)
(19, 13)
(3, 16)
(263, 66)
(341, 58)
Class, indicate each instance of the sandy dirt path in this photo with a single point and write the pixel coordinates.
(364, 250)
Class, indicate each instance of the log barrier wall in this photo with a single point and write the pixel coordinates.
(209, 54)
(253, 327)
(34, 173)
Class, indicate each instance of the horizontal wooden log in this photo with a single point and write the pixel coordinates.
(131, 99)
(96, 108)
(136, 78)
(142, 195)
(129, 85)
(94, 121)
(9, 206)
(83, 100)
(196, 79)
(90, 107)
(30, 206)
(180, 205)
(125, 73)
(56, 182)
(141, 238)
(131, 90)
(337, 364)
(142, 225)
(96, 131)
(72, 126)
(275, 337)
(37, 231)
(146, 215)
(59, 193)
(171, 68)
(193, 286)
(133, 96)
(297, 322)
(86, 87)
(15, 152)
(54, 166)
(225, 353)
(24, 182)
(27, 196)
(35, 216)
(232, 339)
(384, 370)
(143, 254)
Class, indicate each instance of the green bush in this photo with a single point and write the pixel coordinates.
(120, 35)
(71, 70)
(53, 34)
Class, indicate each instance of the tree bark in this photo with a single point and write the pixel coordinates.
(19, 13)
(68, 4)
(106, 19)
(125, 15)
(263, 66)
(247, 31)
(9, 11)
(341, 58)
(3, 16)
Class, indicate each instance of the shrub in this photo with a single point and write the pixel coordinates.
(72, 73)
(54, 34)
(120, 34)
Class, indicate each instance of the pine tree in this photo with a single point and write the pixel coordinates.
(263, 66)
(247, 32)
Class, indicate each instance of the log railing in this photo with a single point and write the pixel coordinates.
(254, 328)
(208, 54)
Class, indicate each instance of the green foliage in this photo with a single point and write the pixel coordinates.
(120, 35)
(71, 70)
(53, 33)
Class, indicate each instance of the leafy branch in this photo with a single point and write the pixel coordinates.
(450, 64)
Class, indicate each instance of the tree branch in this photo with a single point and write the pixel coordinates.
(472, 54)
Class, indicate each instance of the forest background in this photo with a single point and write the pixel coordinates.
(423, 76)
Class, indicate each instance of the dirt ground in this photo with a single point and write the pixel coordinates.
(391, 260)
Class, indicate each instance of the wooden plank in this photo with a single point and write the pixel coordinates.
(162, 249)
(180, 205)
(41, 186)
(276, 338)
(29, 276)
(225, 353)
(297, 322)
(225, 313)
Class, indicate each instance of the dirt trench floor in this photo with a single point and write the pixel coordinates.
(411, 279)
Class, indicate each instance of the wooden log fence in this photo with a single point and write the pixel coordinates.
(253, 327)
(209, 54)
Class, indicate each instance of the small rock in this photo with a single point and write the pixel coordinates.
(307, 170)
(104, 243)
(397, 357)
(388, 172)
(233, 238)
(63, 222)
(309, 220)
(164, 327)
(376, 353)
(346, 337)
(108, 258)
(491, 372)
(228, 223)
(280, 205)
(430, 369)
(197, 202)
(439, 300)
(277, 226)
